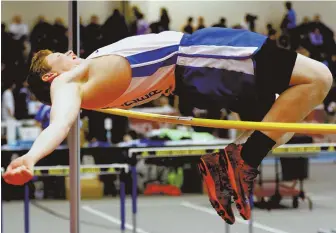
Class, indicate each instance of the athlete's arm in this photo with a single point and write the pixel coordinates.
(66, 102)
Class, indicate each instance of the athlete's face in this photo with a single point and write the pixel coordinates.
(63, 62)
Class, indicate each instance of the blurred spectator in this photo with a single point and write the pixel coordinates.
(132, 135)
(142, 27)
(6, 76)
(81, 37)
(17, 28)
(288, 26)
(115, 28)
(41, 35)
(221, 23)
(155, 27)
(133, 28)
(200, 23)
(316, 37)
(249, 22)
(305, 20)
(119, 129)
(96, 125)
(164, 20)
(6, 46)
(43, 116)
(162, 24)
(19, 32)
(290, 16)
(188, 28)
(302, 33)
(325, 30)
(60, 35)
(92, 36)
(304, 28)
(327, 33)
(8, 103)
(317, 46)
(22, 102)
(96, 143)
(271, 32)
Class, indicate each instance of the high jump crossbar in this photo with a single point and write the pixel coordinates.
(308, 128)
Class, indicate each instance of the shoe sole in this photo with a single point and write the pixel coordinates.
(239, 196)
(211, 188)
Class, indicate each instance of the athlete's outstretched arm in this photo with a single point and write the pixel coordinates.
(64, 112)
(66, 102)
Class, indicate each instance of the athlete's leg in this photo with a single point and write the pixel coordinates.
(242, 138)
(310, 84)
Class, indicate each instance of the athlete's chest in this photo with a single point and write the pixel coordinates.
(145, 89)
(106, 81)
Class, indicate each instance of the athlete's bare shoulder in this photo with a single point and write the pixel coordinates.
(109, 63)
(108, 78)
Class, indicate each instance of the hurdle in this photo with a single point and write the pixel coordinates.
(62, 171)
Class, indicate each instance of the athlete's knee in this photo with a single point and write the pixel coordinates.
(309, 71)
(323, 80)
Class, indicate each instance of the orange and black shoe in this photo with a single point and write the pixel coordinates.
(213, 169)
(241, 177)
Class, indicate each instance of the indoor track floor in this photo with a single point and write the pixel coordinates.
(185, 214)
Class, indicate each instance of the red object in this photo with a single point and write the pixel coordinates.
(166, 189)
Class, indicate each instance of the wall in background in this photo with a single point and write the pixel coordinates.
(52, 9)
(234, 11)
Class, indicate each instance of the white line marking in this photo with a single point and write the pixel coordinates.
(111, 219)
(239, 220)
(320, 198)
(140, 205)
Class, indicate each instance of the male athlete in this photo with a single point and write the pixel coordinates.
(233, 69)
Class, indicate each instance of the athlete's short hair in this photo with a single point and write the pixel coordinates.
(39, 67)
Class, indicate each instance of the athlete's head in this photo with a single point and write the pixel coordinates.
(45, 67)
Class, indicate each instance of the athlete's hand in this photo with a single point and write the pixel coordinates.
(19, 171)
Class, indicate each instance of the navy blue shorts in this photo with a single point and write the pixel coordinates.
(237, 70)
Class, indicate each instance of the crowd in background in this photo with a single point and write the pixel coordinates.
(310, 37)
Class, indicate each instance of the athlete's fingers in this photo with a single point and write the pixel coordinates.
(18, 176)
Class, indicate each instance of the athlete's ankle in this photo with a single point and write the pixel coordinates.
(256, 148)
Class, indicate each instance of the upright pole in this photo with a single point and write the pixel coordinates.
(227, 228)
(251, 219)
(122, 201)
(73, 138)
(134, 196)
(26, 209)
